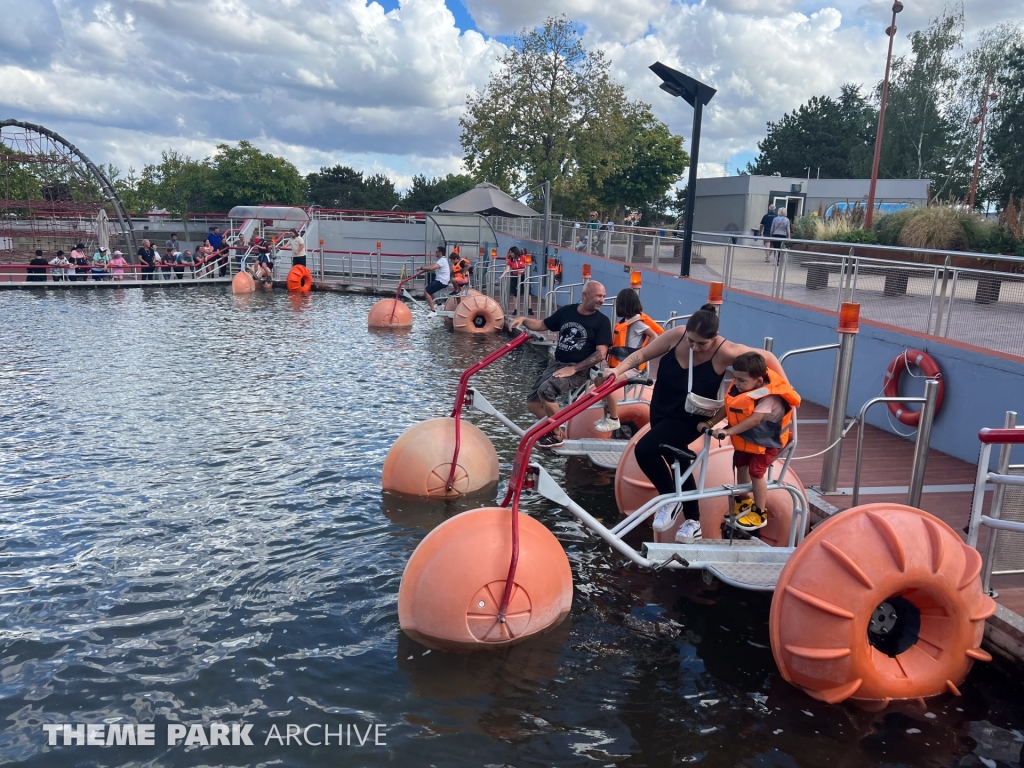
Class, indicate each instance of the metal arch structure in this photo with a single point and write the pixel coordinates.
(114, 199)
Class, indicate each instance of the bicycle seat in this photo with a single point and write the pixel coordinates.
(681, 453)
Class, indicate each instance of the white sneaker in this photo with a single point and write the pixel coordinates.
(665, 517)
(606, 424)
(689, 532)
(431, 313)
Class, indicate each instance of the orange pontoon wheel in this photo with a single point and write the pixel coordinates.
(420, 461)
(633, 490)
(881, 602)
(243, 283)
(478, 314)
(300, 279)
(454, 582)
(389, 313)
(633, 416)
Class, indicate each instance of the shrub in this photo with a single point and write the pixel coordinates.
(943, 228)
(860, 236)
(887, 228)
(805, 229)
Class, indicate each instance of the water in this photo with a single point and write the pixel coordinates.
(193, 531)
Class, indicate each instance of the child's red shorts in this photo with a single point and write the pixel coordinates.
(758, 463)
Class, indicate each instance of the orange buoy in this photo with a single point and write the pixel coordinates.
(880, 602)
(453, 302)
(419, 463)
(478, 314)
(243, 283)
(389, 313)
(455, 580)
(633, 490)
(633, 416)
(300, 279)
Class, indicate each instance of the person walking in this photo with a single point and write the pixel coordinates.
(764, 231)
(780, 231)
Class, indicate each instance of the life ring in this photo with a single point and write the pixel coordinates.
(881, 602)
(300, 279)
(478, 314)
(900, 363)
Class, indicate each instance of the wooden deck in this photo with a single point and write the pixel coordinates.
(948, 489)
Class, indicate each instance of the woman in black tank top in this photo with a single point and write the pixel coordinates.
(671, 424)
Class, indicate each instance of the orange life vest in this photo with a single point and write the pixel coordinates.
(767, 434)
(460, 271)
(621, 331)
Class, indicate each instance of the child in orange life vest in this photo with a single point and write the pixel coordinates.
(759, 407)
(633, 331)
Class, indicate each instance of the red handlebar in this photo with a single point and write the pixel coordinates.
(1001, 436)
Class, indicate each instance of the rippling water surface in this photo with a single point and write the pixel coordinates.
(192, 530)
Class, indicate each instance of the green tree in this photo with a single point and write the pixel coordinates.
(654, 161)
(835, 135)
(918, 140)
(178, 184)
(1006, 142)
(379, 193)
(550, 111)
(243, 175)
(336, 187)
(425, 194)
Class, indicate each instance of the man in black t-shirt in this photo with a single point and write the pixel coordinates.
(584, 335)
(765, 230)
(147, 258)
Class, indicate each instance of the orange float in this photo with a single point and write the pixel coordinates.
(633, 490)
(880, 602)
(455, 580)
(478, 314)
(420, 462)
(632, 416)
(389, 313)
(243, 283)
(300, 279)
(453, 302)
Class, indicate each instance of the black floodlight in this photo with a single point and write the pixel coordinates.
(697, 95)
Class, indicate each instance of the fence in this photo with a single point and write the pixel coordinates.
(957, 298)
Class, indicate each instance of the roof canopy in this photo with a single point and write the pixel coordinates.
(456, 228)
(275, 212)
(489, 200)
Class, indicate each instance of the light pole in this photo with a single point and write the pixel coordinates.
(980, 121)
(897, 6)
(697, 95)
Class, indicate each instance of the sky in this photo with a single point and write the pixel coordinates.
(380, 85)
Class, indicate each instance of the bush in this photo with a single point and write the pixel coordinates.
(943, 228)
(805, 229)
(887, 228)
(859, 236)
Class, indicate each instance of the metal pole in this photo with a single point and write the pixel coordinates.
(897, 6)
(691, 189)
(546, 229)
(941, 307)
(769, 342)
(837, 411)
(981, 138)
(924, 437)
(996, 510)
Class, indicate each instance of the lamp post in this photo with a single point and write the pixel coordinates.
(897, 6)
(980, 121)
(697, 95)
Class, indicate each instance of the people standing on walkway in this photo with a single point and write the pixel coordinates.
(695, 348)
(781, 230)
(764, 231)
(81, 262)
(117, 265)
(36, 271)
(442, 276)
(147, 258)
(584, 336)
(215, 238)
(298, 246)
(174, 244)
(99, 263)
(58, 262)
(515, 264)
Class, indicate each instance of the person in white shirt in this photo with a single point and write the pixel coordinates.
(298, 248)
(58, 261)
(442, 276)
(780, 231)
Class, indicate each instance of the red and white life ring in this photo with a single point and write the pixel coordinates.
(895, 370)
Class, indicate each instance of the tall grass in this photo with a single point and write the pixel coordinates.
(942, 228)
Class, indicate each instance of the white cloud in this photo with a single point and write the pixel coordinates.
(326, 81)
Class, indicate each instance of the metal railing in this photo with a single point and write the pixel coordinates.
(1006, 536)
(896, 286)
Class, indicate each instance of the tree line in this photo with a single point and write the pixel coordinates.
(932, 128)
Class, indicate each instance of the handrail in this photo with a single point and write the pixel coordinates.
(805, 350)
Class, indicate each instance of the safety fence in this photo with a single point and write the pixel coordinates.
(973, 298)
(38, 273)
